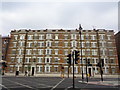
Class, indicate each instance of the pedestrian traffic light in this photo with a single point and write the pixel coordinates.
(76, 57)
(69, 59)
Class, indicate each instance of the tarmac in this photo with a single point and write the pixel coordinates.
(109, 83)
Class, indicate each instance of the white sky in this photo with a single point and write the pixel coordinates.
(44, 14)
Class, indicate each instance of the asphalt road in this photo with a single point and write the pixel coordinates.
(53, 83)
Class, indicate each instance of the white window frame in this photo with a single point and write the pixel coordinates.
(40, 68)
(48, 36)
(56, 36)
(40, 59)
(40, 51)
(41, 37)
(48, 58)
(56, 51)
(30, 37)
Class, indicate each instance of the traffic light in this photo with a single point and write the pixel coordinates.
(102, 62)
(4, 64)
(76, 57)
(69, 59)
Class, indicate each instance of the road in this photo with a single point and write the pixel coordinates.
(55, 83)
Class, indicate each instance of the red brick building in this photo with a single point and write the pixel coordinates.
(45, 51)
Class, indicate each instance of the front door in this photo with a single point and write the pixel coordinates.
(32, 71)
(89, 71)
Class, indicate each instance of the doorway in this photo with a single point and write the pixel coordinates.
(33, 71)
(89, 70)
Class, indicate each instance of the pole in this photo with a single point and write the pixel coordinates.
(81, 54)
(86, 70)
(101, 72)
(73, 69)
(68, 70)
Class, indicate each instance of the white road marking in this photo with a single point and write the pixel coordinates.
(58, 83)
(4, 86)
(38, 83)
(19, 84)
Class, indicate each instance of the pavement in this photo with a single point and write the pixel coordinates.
(66, 75)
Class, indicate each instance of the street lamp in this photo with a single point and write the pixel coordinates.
(80, 28)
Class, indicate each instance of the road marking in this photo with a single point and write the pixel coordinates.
(4, 86)
(37, 83)
(58, 84)
(19, 84)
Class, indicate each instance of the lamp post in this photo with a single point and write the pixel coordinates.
(80, 28)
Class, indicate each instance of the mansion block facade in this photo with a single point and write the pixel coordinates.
(45, 51)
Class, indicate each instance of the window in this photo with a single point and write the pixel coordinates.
(21, 43)
(74, 43)
(39, 59)
(12, 59)
(20, 51)
(40, 68)
(13, 51)
(110, 44)
(36, 36)
(87, 44)
(47, 59)
(56, 36)
(94, 52)
(14, 44)
(19, 60)
(30, 37)
(93, 37)
(40, 51)
(41, 44)
(88, 52)
(56, 51)
(66, 44)
(48, 36)
(66, 52)
(75, 69)
(111, 52)
(82, 37)
(28, 51)
(48, 43)
(55, 68)
(87, 37)
(73, 36)
(102, 52)
(56, 43)
(101, 37)
(15, 37)
(108, 36)
(34, 51)
(93, 44)
(41, 37)
(65, 37)
(22, 37)
(83, 51)
(30, 44)
(47, 68)
(56, 59)
(27, 60)
(112, 61)
(48, 51)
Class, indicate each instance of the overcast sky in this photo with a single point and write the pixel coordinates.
(57, 15)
